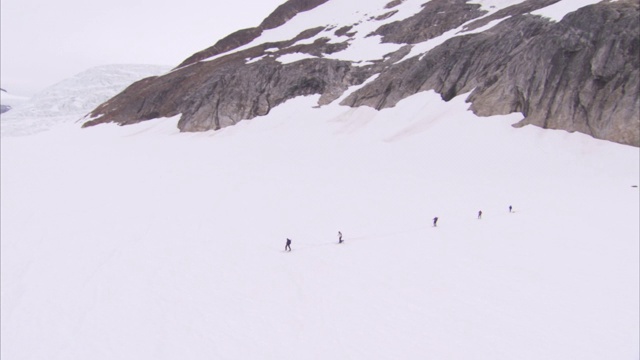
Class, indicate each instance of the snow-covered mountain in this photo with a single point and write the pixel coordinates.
(8, 100)
(144, 242)
(71, 99)
(570, 64)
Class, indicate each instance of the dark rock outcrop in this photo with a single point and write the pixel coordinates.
(432, 21)
(524, 7)
(253, 90)
(233, 90)
(584, 75)
(281, 15)
(579, 74)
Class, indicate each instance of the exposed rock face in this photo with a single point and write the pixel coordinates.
(434, 20)
(579, 74)
(233, 89)
(591, 67)
(245, 92)
(280, 16)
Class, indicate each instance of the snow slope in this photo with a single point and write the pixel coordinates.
(139, 242)
(11, 100)
(70, 99)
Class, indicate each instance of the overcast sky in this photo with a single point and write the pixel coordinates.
(43, 42)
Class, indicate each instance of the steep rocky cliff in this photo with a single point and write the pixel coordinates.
(581, 73)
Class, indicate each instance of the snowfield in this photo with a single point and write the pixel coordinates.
(139, 242)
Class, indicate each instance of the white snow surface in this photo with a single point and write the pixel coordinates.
(491, 5)
(558, 10)
(71, 99)
(291, 58)
(139, 242)
(10, 99)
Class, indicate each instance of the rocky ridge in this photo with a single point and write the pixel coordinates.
(578, 74)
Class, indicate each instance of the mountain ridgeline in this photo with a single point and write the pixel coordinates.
(581, 73)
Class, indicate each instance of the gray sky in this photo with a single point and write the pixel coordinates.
(43, 42)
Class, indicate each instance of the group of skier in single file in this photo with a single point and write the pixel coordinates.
(287, 247)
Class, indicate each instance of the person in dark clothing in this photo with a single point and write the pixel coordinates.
(510, 208)
(435, 221)
(288, 246)
(480, 214)
(339, 237)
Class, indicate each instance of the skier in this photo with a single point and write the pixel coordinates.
(288, 246)
(510, 208)
(480, 214)
(339, 237)
(435, 221)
